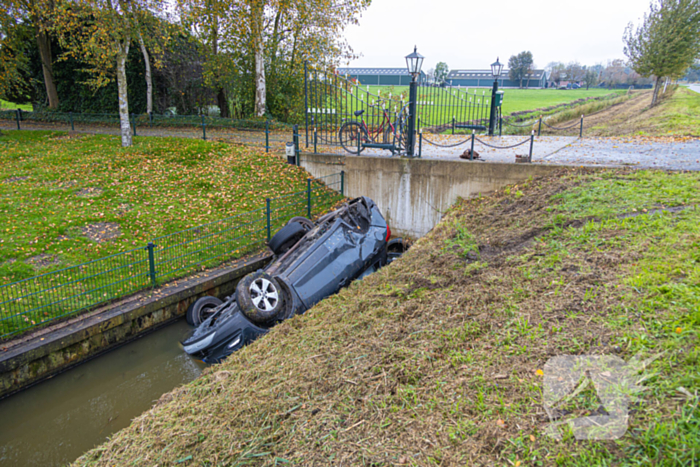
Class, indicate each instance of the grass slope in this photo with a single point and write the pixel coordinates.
(437, 359)
(676, 115)
(52, 186)
(13, 106)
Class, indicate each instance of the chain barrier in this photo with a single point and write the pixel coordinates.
(565, 128)
(520, 126)
(446, 145)
(502, 147)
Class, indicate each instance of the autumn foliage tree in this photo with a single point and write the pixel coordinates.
(666, 43)
(99, 33)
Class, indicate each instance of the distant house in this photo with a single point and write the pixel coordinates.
(484, 78)
(379, 76)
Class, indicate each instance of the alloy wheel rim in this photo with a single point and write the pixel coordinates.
(264, 294)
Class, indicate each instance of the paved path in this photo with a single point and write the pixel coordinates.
(694, 87)
(679, 154)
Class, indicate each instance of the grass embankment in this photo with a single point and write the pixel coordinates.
(677, 114)
(438, 358)
(66, 200)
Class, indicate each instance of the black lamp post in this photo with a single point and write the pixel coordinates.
(496, 69)
(414, 62)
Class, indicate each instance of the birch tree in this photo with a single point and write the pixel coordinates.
(100, 33)
(666, 43)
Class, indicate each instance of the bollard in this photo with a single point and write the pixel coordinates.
(17, 118)
(539, 128)
(267, 212)
(295, 138)
(151, 262)
(471, 154)
(72, 126)
(315, 141)
(342, 183)
(532, 143)
(267, 135)
(133, 123)
(204, 129)
(420, 144)
(308, 198)
(580, 133)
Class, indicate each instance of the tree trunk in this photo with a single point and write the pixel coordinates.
(123, 98)
(223, 104)
(655, 96)
(44, 44)
(149, 79)
(259, 45)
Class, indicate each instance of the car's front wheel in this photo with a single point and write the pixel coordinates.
(260, 298)
(201, 309)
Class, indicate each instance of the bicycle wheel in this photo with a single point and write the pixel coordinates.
(402, 130)
(348, 136)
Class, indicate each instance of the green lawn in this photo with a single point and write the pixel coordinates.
(68, 200)
(515, 100)
(12, 106)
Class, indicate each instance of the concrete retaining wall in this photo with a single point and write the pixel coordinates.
(413, 194)
(54, 349)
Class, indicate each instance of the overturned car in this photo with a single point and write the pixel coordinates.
(312, 261)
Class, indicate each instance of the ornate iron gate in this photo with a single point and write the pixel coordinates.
(338, 107)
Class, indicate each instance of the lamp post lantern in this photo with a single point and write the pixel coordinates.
(496, 69)
(414, 62)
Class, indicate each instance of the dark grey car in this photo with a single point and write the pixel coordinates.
(312, 261)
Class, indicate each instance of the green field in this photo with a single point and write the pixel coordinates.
(11, 106)
(515, 100)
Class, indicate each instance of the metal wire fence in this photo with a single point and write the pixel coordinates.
(265, 133)
(38, 300)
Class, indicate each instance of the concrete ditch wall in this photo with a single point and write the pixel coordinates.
(415, 193)
(46, 352)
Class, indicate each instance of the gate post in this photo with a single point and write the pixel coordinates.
(306, 99)
(412, 97)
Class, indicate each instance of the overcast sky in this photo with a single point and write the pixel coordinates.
(471, 34)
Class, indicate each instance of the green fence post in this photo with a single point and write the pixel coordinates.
(308, 198)
(150, 118)
(267, 211)
(267, 135)
(580, 133)
(500, 125)
(453, 125)
(342, 183)
(420, 144)
(295, 138)
(539, 128)
(151, 262)
(133, 123)
(17, 117)
(72, 126)
(471, 154)
(204, 129)
(532, 143)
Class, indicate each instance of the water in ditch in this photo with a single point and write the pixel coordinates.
(54, 422)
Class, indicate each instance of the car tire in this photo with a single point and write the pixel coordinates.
(260, 297)
(201, 309)
(286, 238)
(394, 249)
(303, 221)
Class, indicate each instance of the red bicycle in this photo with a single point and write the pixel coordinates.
(387, 135)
